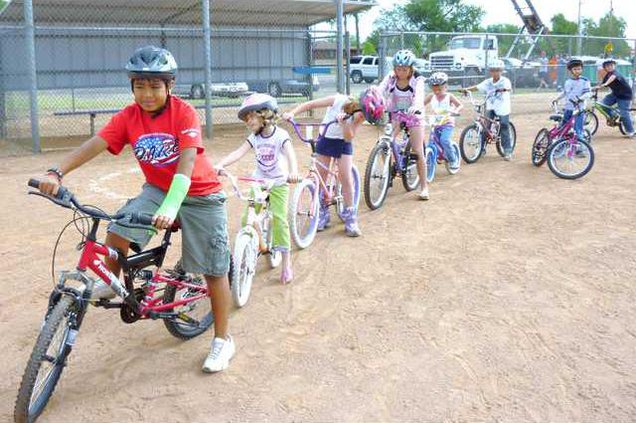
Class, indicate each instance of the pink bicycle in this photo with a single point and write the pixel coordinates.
(303, 212)
(179, 299)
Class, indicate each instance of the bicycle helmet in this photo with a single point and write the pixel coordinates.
(496, 64)
(438, 78)
(608, 61)
(403, 58)
(152, 62)
(257, 102)
(574, 63)
(372, 105)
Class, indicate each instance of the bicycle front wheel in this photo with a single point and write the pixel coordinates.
(410, 177)
(471, 144)
(513, 140)
(377, 176)
(570, 160)
(540, 147)
(303, 213)
(431, 163)
(245, 257)
(47, 360)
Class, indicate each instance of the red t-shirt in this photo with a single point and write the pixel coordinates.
(157, 142)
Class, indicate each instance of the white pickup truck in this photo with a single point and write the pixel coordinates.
(467, 55)
(366, 68)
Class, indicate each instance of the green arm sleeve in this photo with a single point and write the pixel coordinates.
(175, 196)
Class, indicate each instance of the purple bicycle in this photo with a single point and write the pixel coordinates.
(567, 156)
(305, 202)
(435, 151)
(391, 157)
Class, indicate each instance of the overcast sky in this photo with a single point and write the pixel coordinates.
(502, 11)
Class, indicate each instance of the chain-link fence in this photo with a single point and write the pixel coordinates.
(81, 47)
(531, 62)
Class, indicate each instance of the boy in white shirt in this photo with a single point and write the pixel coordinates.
(498, 89)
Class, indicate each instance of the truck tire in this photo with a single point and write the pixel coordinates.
(356, 77)
(197, 91)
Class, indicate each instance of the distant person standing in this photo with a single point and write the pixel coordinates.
(543, 72)
(552, 68)
(562, 63)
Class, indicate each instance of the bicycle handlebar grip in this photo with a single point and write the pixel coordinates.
(141, 218)
(61, 191)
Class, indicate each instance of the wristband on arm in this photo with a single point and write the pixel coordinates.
(175, 196)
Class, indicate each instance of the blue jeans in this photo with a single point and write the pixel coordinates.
(579, 122)
(623, 110)
(505, 131)
(445, 134)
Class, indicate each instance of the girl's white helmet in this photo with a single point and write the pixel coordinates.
(496, 64)
(403, 58)
(438, 78)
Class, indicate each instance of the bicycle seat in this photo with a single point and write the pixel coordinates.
(176, 225)
(557, 117)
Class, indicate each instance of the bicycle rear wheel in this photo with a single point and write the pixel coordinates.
(303, 213)
(377, 176)
(570, 160)
(449, 169)
(47, 360)
(591, 122)
(540, 147)
(471, 144)
(196, 316)
(620, 124)
(410, 177)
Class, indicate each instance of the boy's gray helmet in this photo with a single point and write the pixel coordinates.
(152, 62)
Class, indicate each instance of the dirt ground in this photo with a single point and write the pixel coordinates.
(507, 297)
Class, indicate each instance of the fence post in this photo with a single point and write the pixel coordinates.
(381, 56)
(347, 63)
(29, 35)
(207, 46)
(339, 39)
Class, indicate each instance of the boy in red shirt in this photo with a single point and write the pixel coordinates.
(165, 135)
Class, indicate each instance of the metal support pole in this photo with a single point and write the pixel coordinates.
(339, 42)
(381, 56)
(207, 46)
(580, 32)
(29, 35)
(358, 50)
(347, 62)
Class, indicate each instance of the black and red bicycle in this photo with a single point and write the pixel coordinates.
(179, 299)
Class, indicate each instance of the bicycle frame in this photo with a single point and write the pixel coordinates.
(397, 146)
(482, 121)
(563, 129)
(437, 124)
(259, 198)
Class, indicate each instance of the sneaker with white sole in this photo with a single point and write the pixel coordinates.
(424, 194)
(221, 353)
(101, 291)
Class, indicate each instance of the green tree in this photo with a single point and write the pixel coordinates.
(608, 26)
(428, 15)
(504, 42)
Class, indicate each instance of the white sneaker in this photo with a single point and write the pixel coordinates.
(424, 194)
(220, 355)
(632, 135)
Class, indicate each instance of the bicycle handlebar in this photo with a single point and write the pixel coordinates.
(66, 198)
(297, 127)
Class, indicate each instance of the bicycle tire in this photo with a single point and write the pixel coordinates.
(479, 146)
(186, 331)
(380, 149)
(410, 176)
(245, 258)
(540, 147)
(513, 140)
(306, 188)
(556, 146)
(431, 163)
(26, 409)
(591, 122)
